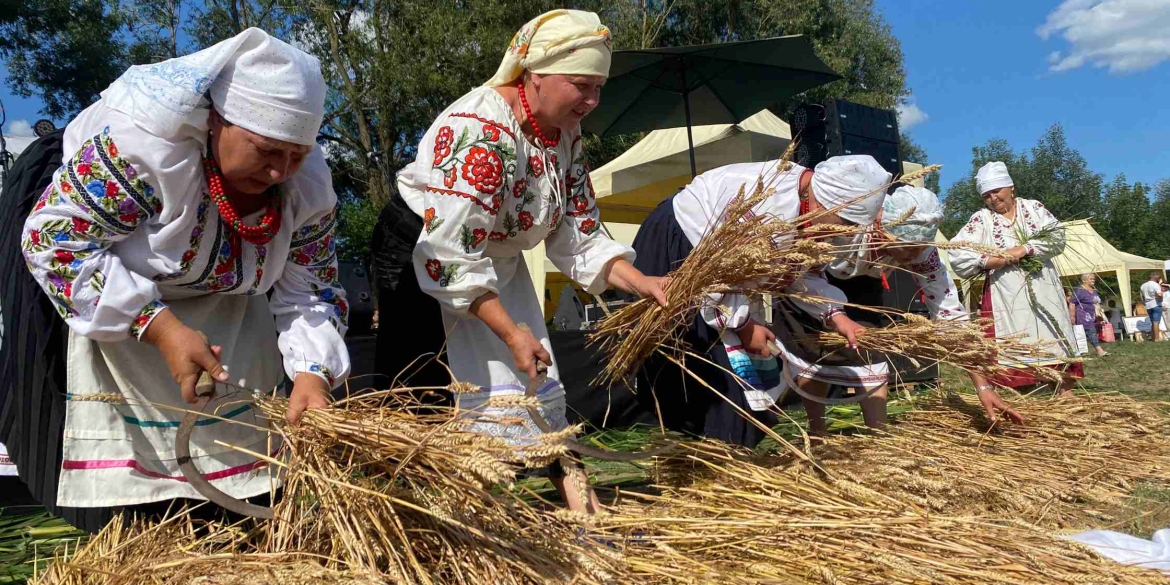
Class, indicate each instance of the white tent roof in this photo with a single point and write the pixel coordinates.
(663, 154)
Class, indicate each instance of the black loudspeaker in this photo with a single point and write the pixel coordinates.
(856, 129)
(811, 136)
(839, 128)
(356, 282)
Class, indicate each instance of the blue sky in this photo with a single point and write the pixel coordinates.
(981, 69)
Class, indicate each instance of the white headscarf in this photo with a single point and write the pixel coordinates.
(256, 81)
(847, 180)
(922, 225)
(565, 42)
(991, 176)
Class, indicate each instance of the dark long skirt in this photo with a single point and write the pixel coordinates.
(687, 405)
(411, 336)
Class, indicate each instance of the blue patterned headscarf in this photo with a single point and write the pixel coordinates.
(925, 214)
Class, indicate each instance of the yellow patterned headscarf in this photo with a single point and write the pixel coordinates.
(565, 42)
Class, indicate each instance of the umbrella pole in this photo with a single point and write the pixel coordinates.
(687, 108)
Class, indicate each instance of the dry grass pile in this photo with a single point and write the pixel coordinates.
(376, 486)
(1073, 465)
(389, 493)
(959, 343)
(745, 521)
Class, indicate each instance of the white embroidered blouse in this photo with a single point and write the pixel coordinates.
(128, 223)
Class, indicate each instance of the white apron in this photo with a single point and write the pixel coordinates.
(132, 445)
(475, 353)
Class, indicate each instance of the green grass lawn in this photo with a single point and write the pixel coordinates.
(1141, 370)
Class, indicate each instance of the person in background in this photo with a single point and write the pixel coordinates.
(1115, 316)
(1083, 306)
(1152, 300)
(1166, 304)
(1015, 225)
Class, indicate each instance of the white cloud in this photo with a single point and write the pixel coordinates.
(19, 128)
(910, 115)
(1126, 36)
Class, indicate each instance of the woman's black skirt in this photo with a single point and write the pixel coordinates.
(32, 351)
(411, 336)
(686, 405)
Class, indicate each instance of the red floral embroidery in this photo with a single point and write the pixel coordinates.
(84, 169)
(35, 236)
(434, 269)
(111, 189)
(534, 167)
(188, 256)
(477, 237)
(497, 236)
(40, 205)
(141, 321)
(130, 218)
(68, 290)
(525, 220)
(112, 149)
(588, 226)
(66, 187)
(443, 143)
(64, 256)
(580, 203)
(519, 188)
(483, 169)
(449, 178)
(429, 215)
(80, 225)
(491, 133)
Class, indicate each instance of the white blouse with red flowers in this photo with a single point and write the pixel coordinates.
(128, 224)
(936, 287)
(486, 194)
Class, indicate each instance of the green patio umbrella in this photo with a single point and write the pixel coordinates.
(724, 83)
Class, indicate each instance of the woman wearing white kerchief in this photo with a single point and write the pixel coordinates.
(1004, 292)
(500, 171)
(910, 215)
(730, 330)
(189, 191)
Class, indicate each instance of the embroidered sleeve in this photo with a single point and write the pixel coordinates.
(579, 248)
(966, 262)
(816, 296)
(937, 287)
(1039, 219)
(96, 199)
(730, 311)
(309, 305)
(474, 167)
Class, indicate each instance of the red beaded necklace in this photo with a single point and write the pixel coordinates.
(259, 234)
(536, 127)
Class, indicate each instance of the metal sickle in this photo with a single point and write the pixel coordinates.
(205, 390)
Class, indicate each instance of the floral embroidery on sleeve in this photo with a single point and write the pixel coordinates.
(101, 182)
(444, 275)
(484, 162)
(340, 314)
(144, 318)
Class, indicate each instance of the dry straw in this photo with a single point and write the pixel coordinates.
(384, 492)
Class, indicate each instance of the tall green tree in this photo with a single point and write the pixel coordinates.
(64, 52)
(1055, 174)
(1125, 221)
(849, 35)
(1159, 225)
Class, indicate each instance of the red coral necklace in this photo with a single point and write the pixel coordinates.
(259, 234)
(548, 142)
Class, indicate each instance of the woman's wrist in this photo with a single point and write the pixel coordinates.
(163, 322)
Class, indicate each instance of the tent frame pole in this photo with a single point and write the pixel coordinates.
(686, 91)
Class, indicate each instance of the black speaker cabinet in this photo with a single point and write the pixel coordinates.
(840, 127)
(356, 282)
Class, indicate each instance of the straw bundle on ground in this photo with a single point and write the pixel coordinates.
(379, 493)
(745, 521)
(1074, 464)
(960, 343)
